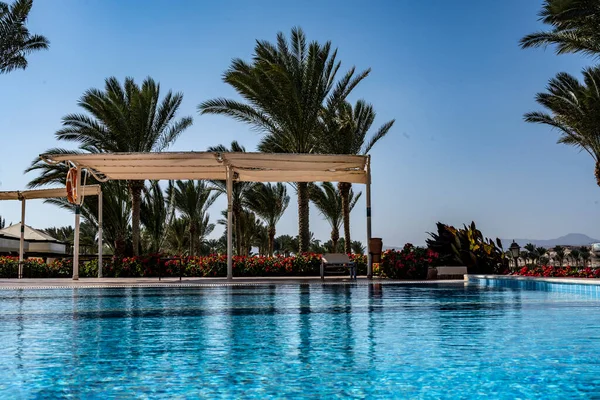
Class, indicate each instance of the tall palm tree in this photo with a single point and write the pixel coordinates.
(285, 88)
(345, 132)
(329, 202)
(238, 195)
(574, 110)
(156, 214)
(574, 27)
(192, 199)
(268, 202)
(15, 40)
(128, 118)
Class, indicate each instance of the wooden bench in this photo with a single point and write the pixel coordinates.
(337, 261)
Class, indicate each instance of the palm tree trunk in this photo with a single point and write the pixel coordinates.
(238, 231)
(303, 214)
(135, 188)
(192, 240)
(344, 188)
(119, 249)
(335, 237)
(271, 246)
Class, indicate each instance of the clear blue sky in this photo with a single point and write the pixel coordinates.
(450, 73)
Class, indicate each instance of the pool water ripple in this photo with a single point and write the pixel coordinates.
(296, 341)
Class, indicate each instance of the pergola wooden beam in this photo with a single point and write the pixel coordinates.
(24, 195)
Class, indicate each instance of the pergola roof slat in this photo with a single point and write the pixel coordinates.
(256, 167)
(88, 190)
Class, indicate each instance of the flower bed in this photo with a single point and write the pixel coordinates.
(409, 263)
(563, 272)
(35, 268)
(151, 266)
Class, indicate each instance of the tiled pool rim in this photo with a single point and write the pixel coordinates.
(525, 282)
(588, 286)
(90, 283)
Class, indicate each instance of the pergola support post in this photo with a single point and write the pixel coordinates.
(229, 223)
(100, 238)
(368, 200)
(77, 220)
(22, 240)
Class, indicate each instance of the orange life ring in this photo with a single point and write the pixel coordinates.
(72, 185)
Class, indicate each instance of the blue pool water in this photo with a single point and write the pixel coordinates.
(375, 341)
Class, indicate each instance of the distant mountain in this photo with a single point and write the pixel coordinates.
(572, 239)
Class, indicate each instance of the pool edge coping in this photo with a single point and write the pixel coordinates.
(556, 280)
(70, 284)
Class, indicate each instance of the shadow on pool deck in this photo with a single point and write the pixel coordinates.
(175, 282)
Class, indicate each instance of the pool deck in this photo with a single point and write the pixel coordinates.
(61, 283)
(549, 279)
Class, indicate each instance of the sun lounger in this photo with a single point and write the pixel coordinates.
(337, 261)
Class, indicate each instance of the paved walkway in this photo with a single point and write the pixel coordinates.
(48, 283)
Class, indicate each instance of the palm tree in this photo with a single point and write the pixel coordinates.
(128, 118)
(285, 88)
(574, 255)
(285, 245)
(559, 254)
(357, 247)
(192, 199)
(540, 253)
(248, 232)
(156, 214)
(329, 202)
(205, 228)
(574, 111)
(574, 27)
(531, 251)
(116, 210)
(524, 255)
(64, 234)
(177, 236)
(238, 195)
(585, 254)
(345, 132)
(15, 40)
(268, 202)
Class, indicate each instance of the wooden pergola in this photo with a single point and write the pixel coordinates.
(227, 166)
(24, 195)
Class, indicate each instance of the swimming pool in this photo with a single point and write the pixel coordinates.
(292, 341)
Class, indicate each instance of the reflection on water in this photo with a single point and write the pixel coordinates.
(376, 341)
